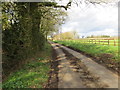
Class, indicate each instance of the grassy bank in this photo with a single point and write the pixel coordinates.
(34, 74)
(93, 49)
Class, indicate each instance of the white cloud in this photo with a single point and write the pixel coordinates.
(110, 32)
(92, 19)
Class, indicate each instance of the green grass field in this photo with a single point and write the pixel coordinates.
(34, 74)
(92, 49)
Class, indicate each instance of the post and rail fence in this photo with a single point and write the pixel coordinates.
(100, 41)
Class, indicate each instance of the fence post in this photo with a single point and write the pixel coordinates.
(114, 43)
(103, 41)
(108, 42)
(99, 41)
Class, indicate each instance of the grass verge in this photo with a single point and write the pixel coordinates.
(34, 74)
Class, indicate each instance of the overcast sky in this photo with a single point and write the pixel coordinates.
(92, 20)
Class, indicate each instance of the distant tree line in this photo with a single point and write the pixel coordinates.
(66, 35)
(99, 36)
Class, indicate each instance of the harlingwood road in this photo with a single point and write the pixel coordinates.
(73, 76)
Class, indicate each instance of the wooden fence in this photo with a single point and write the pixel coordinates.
(102, 41)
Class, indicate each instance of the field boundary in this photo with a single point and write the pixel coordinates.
(100, 41)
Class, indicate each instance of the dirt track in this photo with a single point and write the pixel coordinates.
(78, 71)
